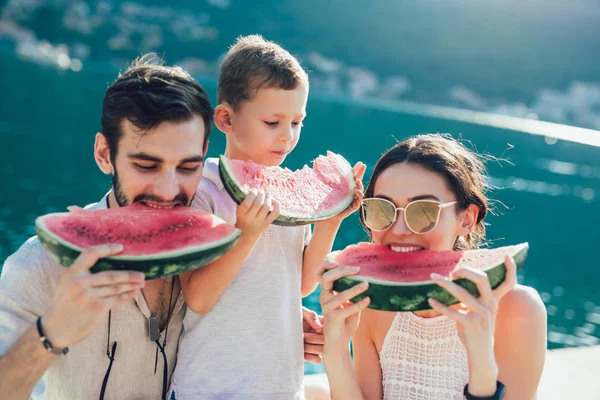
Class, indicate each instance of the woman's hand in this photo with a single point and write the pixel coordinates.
(476, 321)
(340, 316)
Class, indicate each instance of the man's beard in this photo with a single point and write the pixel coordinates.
(180, 200)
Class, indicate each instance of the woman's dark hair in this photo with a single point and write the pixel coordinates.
(462, 169)
(149, 93)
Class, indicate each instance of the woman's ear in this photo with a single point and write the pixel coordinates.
(224, 118)
(102, 154)
(468, 220)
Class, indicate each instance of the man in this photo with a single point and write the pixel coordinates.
(156, 122)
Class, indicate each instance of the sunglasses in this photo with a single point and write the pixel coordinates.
(421, 216)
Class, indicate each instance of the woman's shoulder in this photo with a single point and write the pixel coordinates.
(521, 302)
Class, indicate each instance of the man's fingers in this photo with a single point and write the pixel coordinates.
(120, 298)
(111, 278)
(313, 348)
(311, 318)
(90, 255)
(114, 290)
(314, 338)
(312, 358)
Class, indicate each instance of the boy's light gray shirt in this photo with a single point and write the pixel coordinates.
(250, 345)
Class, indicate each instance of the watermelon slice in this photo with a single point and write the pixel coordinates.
(401, 281)
(306, 196)
(157, 242)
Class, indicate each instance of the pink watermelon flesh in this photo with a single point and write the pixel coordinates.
(382, 263)
(308, 191)
(141, 230)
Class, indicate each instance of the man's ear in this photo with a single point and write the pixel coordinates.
(224, 118)
(468, 220)
(102, 154)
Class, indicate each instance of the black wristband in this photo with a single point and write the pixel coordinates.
(46, 342)
(496, 396)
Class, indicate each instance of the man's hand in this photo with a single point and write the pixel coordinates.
(82, 299)
(312, 325)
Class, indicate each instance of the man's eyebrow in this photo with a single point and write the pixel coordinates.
(148, 157)
(192, 159)
(145, 157)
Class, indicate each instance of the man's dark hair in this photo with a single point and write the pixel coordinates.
(149, 93)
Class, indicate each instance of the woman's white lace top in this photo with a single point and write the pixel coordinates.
(422, 359)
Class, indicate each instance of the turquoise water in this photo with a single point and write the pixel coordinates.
(550, 192)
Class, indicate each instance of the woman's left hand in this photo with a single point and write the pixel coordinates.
(477, 317)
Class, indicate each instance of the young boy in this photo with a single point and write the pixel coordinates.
(242, 335)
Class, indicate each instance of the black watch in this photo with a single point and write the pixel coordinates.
(496, 396)
(46, 342)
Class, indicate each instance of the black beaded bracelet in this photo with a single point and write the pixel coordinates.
(46, 342)
(496, 396)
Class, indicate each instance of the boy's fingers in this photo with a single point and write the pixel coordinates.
(359, 170)
(248, 201)
(265, 208)
(257, 204)
(272, 216)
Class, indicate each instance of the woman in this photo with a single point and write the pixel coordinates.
(491, 347)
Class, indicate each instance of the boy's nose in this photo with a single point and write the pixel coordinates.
(287, 134)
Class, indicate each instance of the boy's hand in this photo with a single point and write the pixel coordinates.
(359, 171)
(256, 212)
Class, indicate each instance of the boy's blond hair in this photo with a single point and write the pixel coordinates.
(253, 63)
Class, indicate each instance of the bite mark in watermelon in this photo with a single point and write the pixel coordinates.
(401, 281)
(306, 196)
(157, 242)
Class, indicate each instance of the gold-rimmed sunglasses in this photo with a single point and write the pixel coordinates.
(420, 216)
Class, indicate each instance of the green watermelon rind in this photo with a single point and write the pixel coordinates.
(284, 219)
(413, 296)
(153, 266)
